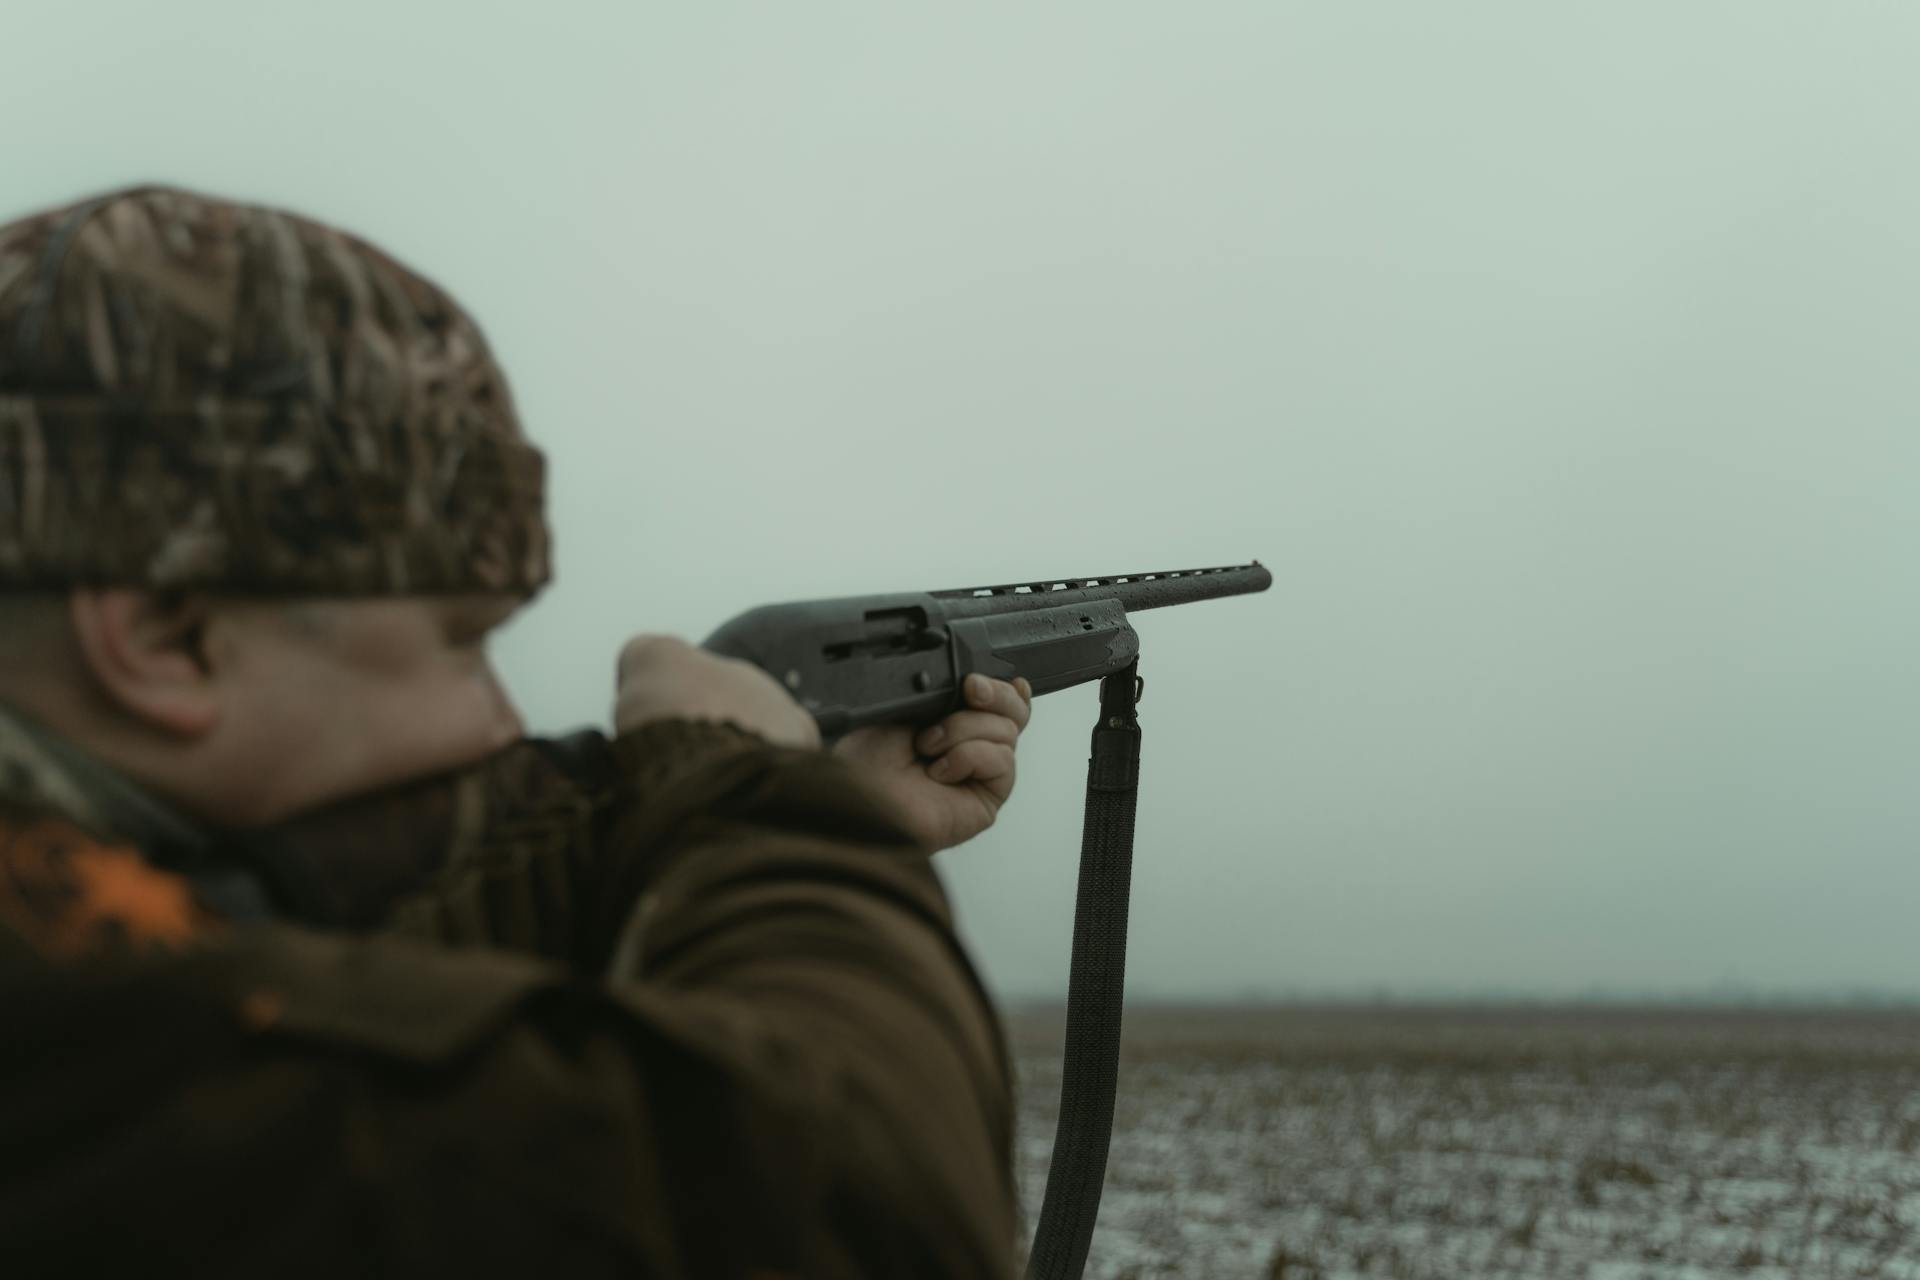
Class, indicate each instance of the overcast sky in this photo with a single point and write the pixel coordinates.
(1559, 360)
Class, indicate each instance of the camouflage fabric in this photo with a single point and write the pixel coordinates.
(740, 1040)
(42, 771)
(201, 394)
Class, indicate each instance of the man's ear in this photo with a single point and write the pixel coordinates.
(146, 653)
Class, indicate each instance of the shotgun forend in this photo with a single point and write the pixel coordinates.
(901, 657)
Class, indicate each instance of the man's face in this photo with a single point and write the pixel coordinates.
(326, 699)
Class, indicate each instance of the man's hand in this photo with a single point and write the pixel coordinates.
(664, 677)
(949, 780)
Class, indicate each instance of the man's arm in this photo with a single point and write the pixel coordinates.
(790, 1068)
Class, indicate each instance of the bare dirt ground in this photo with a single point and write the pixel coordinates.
(1604, 1143)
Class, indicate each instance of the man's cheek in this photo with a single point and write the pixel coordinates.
(476, 719)
(502, 716)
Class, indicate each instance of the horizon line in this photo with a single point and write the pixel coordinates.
(1695, 998)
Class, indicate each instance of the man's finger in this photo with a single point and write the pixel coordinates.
(1000, 697)
(966, 726)
(974, 761)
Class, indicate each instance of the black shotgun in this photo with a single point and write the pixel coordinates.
(901, 657)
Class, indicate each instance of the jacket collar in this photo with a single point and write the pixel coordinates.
(43, 770)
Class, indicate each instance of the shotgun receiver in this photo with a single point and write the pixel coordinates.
(901, 658)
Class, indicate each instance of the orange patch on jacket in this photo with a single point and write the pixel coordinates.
(69, 893)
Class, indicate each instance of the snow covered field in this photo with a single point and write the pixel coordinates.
(1315, 1143)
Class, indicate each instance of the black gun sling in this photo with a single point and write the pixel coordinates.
(1096, 982)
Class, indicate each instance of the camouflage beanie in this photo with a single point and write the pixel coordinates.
(201, 394)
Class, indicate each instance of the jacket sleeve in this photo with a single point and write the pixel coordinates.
(789, 1068)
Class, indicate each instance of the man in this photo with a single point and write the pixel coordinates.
(308, 965)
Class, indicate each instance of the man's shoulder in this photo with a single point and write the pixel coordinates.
(68, 892)
(69, 898)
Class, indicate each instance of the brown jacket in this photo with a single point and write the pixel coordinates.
(790, 1070)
